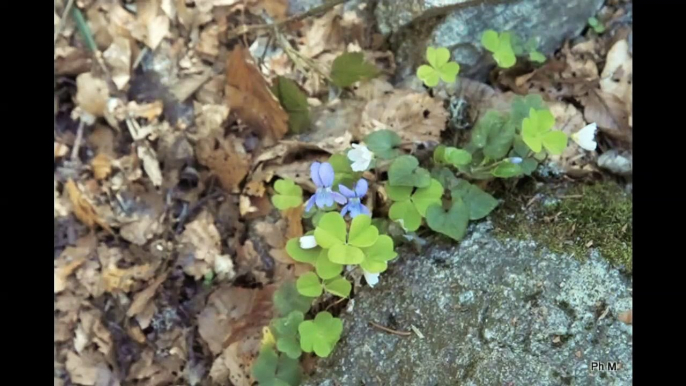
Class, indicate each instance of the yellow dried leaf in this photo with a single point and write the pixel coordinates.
(294, 218)
(92, 94)
(249, 96)
(83, 209)
(60, 150)
(102, 166)
(255, 188)
(149, 111)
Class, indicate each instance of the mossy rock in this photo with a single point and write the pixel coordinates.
(572, 219)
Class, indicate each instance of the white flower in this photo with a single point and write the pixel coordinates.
(308, 242)
(371, 278)
(585, 137)
(361, 157)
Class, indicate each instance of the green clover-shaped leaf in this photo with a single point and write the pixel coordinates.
(487, 129)
(350, 67)
(294, 250)
(597, 26)
(528, 166)
(321, 334)
(536, 56)
(290, 195)
(273, 369)
(478, 202)
(500, 46)
(452, 223)
(537, 132)
(425, 197)
(405, 213)
(507, 169)
(405, 171)
(408, 209)
(377, 256)
(331, 230)
(325, 268)
(522, 105)
(288, 299)
(309, 285)
(457, 157)
(286, 330)
(345, 254)
(338, 286)
(439, 67)
(383, 143)
(362, 233)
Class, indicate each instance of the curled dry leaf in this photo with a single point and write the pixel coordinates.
(102, 166)
(293, 218)
(249, 96)
(609, 112)
(271, 233)
(142, 299)
(83, 209)
(618, 71)
(92, 94)
(228, 160)
(333, 124)
(150, 163)
(203, 242)
(118, 57)
(416, 117)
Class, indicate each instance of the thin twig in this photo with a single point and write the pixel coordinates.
(396, 332)
(77, 142)
(259, 27)
(63, 20)
(334, 303)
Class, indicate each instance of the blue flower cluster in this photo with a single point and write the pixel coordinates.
(322, 175)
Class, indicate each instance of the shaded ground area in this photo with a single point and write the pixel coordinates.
(491, 312)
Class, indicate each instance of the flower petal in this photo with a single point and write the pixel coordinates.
(314, 173)
(345, 209)
(365, 210)
(360, 165)
(339, 198)
(354, 209)
(308, 242)
(310, 203)
(345, 191)
(361, 187)
(326, 174)
(371, 278)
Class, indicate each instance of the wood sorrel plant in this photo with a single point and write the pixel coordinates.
(438, 195)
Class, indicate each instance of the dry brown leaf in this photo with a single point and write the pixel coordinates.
(263, 206)
(203, 243)
(228, 161)
(62, 273)
(626, 317)
(416, 117)
(249, 96)
(373, 89)
(60, 150)
(150, 163)
(325, 33)
(102, 166)
(618, 71)
(574, 160)
(118, 57)
(92, 331)
(245, 206)
(72, 61)
(83, 370)
(255, 188)
(209, 121)
(142, 299)
(208, 45)
(233, 311)
(83, 209)
(271, 233)
(609, 113)
(92, 94)
(249, 260)
(333, 124)
(117, 279)
(293, 218)
(151, 25)
(281, 256)
(277, 9)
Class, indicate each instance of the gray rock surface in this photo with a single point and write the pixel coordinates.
(491, 313)
(458, 25)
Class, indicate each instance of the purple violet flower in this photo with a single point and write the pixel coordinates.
(354, 205)
(322, 174)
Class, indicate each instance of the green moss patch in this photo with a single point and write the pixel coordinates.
(572, 219)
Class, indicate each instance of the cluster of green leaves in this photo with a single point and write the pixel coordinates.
(440, 67)
(289, 335)
(506, 46)
(337, 247)
(289, 195)
(499, 137)
(347, 68)
(596, 24)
